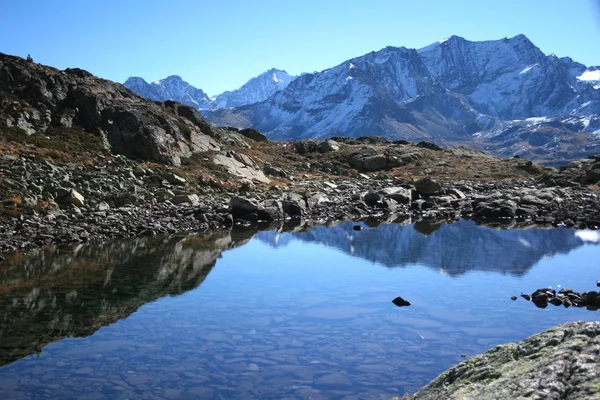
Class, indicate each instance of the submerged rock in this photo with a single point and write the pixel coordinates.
(559, 363)
(400, 302)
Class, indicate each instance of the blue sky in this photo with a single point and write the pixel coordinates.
(219, 45)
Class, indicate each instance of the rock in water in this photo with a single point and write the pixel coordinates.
(400, 302)
(559, 363)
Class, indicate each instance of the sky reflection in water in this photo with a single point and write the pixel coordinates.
(286, 315)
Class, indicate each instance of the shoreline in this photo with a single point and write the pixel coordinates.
(501, 204)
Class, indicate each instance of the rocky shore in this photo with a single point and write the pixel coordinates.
(117, 197)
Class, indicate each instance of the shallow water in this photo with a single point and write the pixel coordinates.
(278, 315)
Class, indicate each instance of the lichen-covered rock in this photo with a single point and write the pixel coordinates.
(559, 363)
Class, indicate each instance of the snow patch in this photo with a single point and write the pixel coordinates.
(352, 66)
(529, 67)
(590, 76)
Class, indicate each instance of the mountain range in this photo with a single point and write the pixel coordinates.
(175, 88)
(504, 96)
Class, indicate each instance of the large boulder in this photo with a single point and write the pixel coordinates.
(253, 134)
(427, 187)
(559, 363)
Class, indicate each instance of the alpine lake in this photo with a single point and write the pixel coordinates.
(306, 314)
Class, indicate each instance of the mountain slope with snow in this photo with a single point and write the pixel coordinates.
(256, 89)
(453, 91)
(174, 88)
(170, 88)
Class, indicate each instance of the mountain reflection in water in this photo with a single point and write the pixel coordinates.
(306, 313)
(454, 248)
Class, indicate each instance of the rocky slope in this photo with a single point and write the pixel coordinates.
(174, 88)
(505, 96)
(559, 363)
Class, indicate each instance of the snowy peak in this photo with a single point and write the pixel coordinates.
(170, 88)
(255, 90)
(452, 91)
(175, 88)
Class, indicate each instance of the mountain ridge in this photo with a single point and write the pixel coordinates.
(454, 91)
(175, 88)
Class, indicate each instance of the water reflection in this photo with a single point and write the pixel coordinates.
(50, 294)
(303, 314)
(454, 248)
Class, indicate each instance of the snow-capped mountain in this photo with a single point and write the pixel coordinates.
(256, 89)
(173, 87)
(170, 88)
(453, 91)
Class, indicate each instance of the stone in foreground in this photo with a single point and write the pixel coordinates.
(559, 363)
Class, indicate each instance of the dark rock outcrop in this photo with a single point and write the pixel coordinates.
(38, 99)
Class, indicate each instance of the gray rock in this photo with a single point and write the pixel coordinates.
(66, 197)
(559, 363)
(328, 146)
(372, 163)
(175, 179)
(191, 199)
(399, 194)
(427, 187)
(253, 134)
(240, 206)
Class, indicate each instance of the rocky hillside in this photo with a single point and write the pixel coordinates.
(505, 96)
(43, 101)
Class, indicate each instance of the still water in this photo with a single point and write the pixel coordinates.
(302, 315)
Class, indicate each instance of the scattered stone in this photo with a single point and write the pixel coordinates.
(565, 297)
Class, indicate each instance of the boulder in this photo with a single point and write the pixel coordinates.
(427, 187)
(253, 134)
(559, 363)
(305, 146)
(175, 179)
(399, 194)
(191, 199)
(67, 197)
(328, 146)
(240, 206)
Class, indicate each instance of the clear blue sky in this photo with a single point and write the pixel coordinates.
(219, 45)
